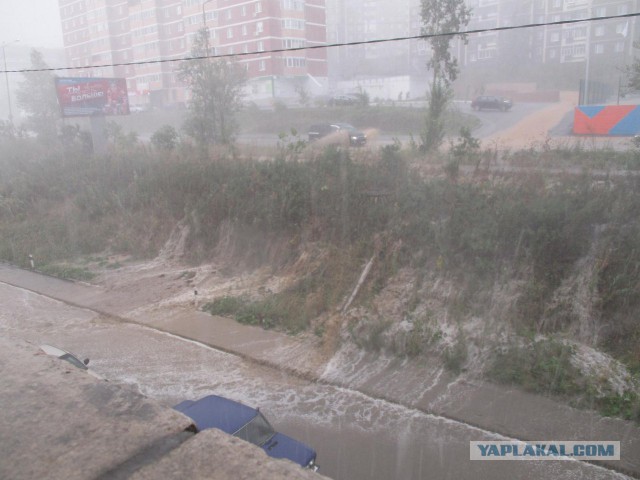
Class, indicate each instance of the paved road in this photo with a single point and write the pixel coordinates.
(492, 122)
(357, 437)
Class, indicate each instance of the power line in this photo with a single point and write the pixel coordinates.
(333, 45)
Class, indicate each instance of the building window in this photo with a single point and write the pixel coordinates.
(599, 31)
(260, 46)
(293, 5)
(259, 27)
(229, 32)
(623, 9)
(295, 62)
(262, 66)
(601, 11)
(621, 29)
(292, 24)
(599, 48)
(229, 14)
(243, 11)
(619, 48)
(258, 8)
(293, 43)
(244, 29)
(552, 53)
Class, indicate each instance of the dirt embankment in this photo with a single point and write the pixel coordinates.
(364, 347)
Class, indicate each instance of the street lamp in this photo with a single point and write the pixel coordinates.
(6, 78)
(204, 25)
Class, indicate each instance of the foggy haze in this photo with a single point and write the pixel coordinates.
(35, 23)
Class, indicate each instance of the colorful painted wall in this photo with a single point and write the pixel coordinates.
(607, 120)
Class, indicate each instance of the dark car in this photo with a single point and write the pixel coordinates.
(490, 102)
(69, 357)
(337, 133)
(248, 424)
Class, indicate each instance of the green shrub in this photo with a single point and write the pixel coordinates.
(165, 138)
(543, 366)
(455, 356)
(225, 306)
(625, 406)
(68, 272)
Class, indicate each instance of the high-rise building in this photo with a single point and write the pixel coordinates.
(562, 52)
(568, 43)
(559, 52)
(266, 28)
(101, 33)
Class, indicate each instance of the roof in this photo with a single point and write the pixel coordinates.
(217, 412)
(51, 350)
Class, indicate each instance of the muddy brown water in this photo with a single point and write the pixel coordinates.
(356, 436)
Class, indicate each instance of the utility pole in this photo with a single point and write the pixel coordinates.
(204, 25)
(6, 79)
(585, 99)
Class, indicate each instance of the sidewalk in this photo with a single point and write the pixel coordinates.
(506, 411)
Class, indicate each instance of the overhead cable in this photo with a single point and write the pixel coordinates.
(333, 45)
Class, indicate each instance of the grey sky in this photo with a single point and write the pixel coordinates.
(35, 23)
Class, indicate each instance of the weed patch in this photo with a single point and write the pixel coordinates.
(545, 367)
(68, 272)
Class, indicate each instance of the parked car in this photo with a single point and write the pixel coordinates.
(490, 102)
(337, 133)
(69, 357)
(138, 108)
(248, 424)
(344, 100)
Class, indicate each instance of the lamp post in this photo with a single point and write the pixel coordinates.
(204, 25)
(585, 91)
(6, 79)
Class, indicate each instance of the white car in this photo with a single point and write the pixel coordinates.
(69, 357)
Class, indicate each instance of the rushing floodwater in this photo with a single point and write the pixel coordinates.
(356, 437)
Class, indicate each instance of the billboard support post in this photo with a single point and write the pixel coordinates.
(99, 134)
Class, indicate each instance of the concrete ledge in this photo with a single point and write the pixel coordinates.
(57, 421)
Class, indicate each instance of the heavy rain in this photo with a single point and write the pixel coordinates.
(397, 230)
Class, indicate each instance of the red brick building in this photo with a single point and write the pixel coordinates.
(104, 32)
(266, 27)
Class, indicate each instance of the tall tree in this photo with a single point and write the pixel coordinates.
(37, 97)
(633, 71)
(441, 17)
(216, 91)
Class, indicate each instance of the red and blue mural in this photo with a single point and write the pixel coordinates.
(606, 120)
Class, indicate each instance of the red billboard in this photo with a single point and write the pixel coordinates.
(79, 97)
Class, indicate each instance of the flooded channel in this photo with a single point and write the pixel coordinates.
(356, 436)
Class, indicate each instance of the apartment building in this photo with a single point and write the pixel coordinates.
(259, 31)
(554, 43)
(607, 44)
(100, 33)
(369, 20)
